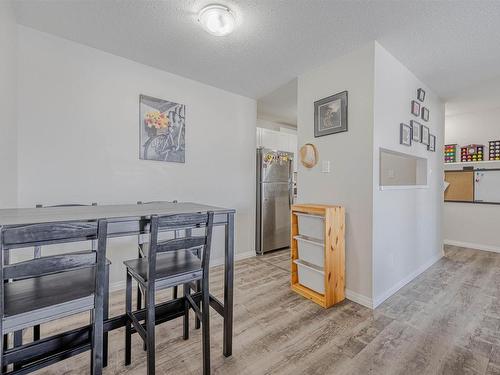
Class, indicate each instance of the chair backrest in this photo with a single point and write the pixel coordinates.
(179, 222)
(145, 228)
(24, 236)
(38, 249)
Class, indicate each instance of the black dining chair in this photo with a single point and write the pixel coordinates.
(37, 253)
(142, 251)
(52, 287)
(164, 268)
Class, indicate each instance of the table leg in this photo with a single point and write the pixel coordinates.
(228, 286)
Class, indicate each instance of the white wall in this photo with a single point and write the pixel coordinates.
(283, 140)
(78, 137)
(473, 225)
(477, 127)
(350, 182)
(407, 234)
(8, 129)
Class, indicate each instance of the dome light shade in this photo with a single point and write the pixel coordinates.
(217, 20)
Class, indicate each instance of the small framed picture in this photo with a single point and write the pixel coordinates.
(330, 115)
(416, 134)
(405, 134)
(425, 135)
(432, 143)
(415, 108)
(421, 95)
(425, 114)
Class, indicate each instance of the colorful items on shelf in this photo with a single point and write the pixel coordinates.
(450, 153)
(494, 150)
(472, 153)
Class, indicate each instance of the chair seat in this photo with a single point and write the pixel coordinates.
(40, 299)
(179, 265)
(144, 249)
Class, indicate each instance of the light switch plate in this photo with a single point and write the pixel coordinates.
(325, 166)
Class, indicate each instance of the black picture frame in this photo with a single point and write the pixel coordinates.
(330, 115)
(405, 134)
(415, 108)
(425, 114)
(432, 143)
(416, 131)
(421, 95)
(425, 135)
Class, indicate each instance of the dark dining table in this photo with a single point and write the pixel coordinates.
(123, 220)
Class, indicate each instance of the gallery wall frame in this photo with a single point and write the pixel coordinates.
(425, 114)
(425, 135)
(416, 133)
(421, 95)
(405, 134)
(432, 143)
(415, 108)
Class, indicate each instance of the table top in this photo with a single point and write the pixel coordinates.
(113, 212)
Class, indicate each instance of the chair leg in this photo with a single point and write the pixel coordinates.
(139, 293)
(205, 310)
(92, 341)
(139, 298)
(196, 319)
(105, 317)
(128, 326)
(37, 253)
(18, 341)
(36, 333)
(150, 327)
(98, 330)
(4, 345)
(185, 335)
(144, 343)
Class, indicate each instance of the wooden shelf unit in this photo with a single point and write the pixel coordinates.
(333, 222)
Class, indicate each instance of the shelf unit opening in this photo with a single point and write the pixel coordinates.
(402, 170)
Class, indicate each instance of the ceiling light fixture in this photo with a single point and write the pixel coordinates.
(217, 19)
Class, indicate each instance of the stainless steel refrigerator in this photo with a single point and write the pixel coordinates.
(274, 199)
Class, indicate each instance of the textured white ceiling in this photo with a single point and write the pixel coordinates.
(482, 97)
(448, 44)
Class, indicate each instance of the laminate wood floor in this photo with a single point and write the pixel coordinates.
(447, 321)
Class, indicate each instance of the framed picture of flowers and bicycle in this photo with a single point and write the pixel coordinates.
(162, 125)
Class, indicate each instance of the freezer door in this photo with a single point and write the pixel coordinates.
(277, 170)
(275, 223)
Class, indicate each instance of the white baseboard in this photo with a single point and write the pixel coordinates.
(495, 249)
(116, 286)
(237, 256)
(389, 292)
(359, 298)
(120, 285)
